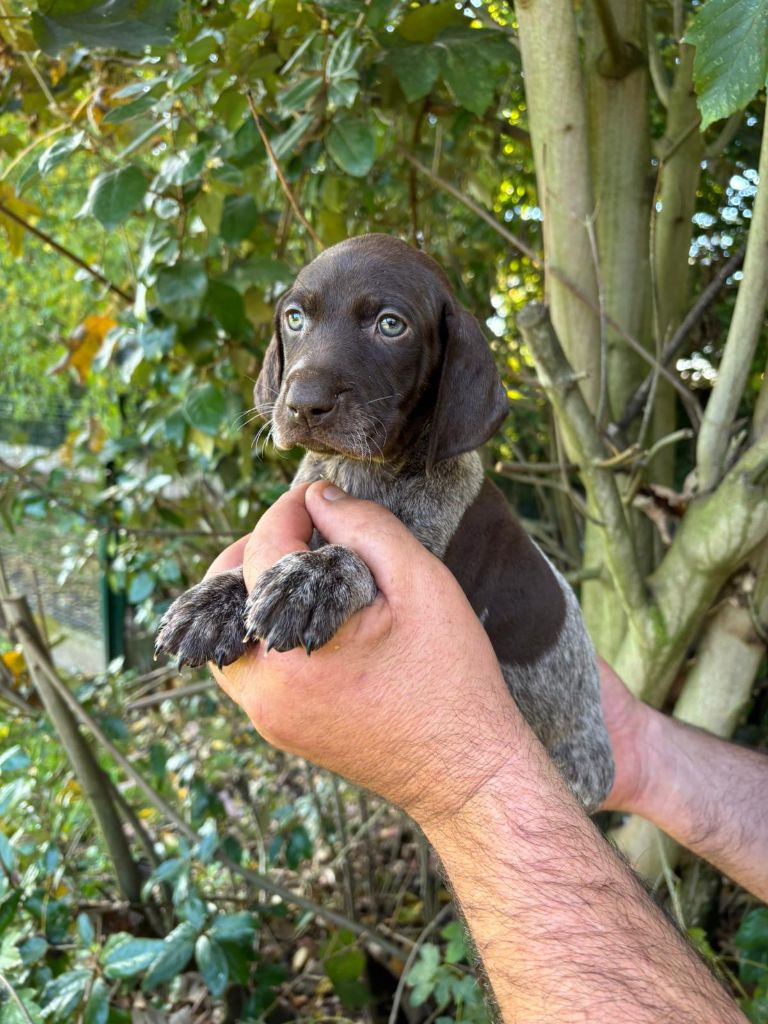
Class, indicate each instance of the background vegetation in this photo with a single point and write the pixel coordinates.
(166, 168)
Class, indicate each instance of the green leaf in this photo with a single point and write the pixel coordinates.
(212, 964)
(33, 949)
(225, 304)
(14, 759)
(297, 97)
(7, 854)
(181, 168)
(131, 957)
(752, 941)
(85, 929)
(472, 62)
(284, 145)
(63, 994)
(173, 957)
(352, 145)
(141, 586)
(206, 408)
(731, 61)
(456, 949)
(8, 909)
(127, 111)
(114, 195)
(239, 217)
(58, 152)
(181, 289)
(11, 1014)
(97, 1007)
(124, 24)
(422, 24)
(344, 55)
(239, 928)
(416, 69)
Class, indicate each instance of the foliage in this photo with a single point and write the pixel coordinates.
(127, 138)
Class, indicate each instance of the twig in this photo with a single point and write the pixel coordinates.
(676, 342)
(726, 134)
(16, 999)
(536, 260)
(425, 933)
(655, 65)
(177, 694)
(67, 253)
(621, 57)
(579, 427)
(279, 172)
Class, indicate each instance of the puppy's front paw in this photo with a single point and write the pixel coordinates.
(306, 597)
(206, 623)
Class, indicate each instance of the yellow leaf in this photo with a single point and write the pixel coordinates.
(146, 812)
(60, 890)
(14, 662)
(22, 208)
(97, 436)
(83, 344)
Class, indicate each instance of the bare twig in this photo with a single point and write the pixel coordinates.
(676, 342)
(425, 933)
(579, 428)
(279, 172)
(67, 253)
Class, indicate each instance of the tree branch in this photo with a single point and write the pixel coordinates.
(579, 428)
(620, 57)
(67, 253)
(743, 335)
(676, 342)
(536, 260)
(288, 191)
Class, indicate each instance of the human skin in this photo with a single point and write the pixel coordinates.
(408, 701)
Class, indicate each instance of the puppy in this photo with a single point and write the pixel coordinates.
(389, 384)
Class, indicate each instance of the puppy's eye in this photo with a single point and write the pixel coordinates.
(294, 319)
(391, 326)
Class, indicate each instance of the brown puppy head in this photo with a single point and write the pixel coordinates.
(371, 352)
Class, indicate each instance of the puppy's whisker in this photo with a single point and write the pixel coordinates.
(384, 398)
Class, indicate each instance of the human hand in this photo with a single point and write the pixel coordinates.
(627, 720)
(407, 696)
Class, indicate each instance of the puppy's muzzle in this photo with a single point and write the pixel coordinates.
(311, 403)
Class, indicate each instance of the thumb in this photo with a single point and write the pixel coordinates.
(285, 527)
(386, 546)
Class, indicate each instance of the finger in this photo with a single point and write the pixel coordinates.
(387, 547)
(283, 528)
(229, 558)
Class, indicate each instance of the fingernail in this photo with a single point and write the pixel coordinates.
(333, 493)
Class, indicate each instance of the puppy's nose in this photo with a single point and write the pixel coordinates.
(312, 401)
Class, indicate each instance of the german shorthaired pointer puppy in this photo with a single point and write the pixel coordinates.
(391, 386)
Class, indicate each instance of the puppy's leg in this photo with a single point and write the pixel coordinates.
(307, 596)
(585, 761)
(206, 623)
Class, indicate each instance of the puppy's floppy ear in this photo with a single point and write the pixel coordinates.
(471, 400)
(271, 377)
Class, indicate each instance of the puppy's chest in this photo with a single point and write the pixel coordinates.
(430, 506)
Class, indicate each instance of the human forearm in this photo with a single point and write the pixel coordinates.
(710, 796)
(565, 931)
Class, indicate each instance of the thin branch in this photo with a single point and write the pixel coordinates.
(67, 253)
(425, 933)
(678, 339)
(536, 260)
(743, 335)
(725, 136)
(659, 77)
(579, 427)
(279, 172)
